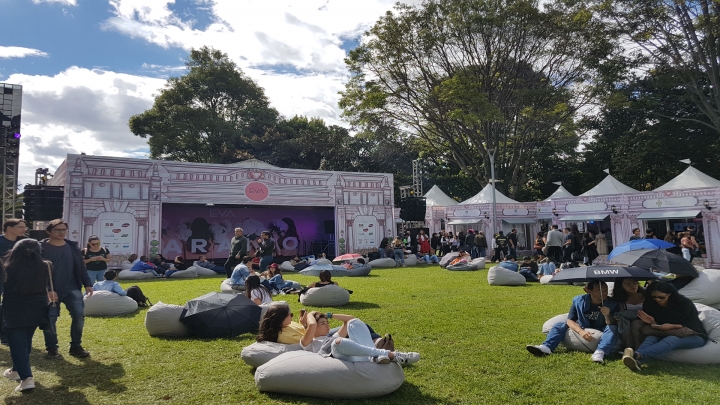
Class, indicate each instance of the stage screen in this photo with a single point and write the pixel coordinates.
(192, 231)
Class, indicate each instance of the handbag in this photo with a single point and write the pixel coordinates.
(648, 330)
(53, 307)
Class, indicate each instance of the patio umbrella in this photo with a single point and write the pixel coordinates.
(658, 260)
(640, 244)
(601, 272)
(221, 315)
(348, 256)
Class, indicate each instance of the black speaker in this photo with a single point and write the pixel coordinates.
(38, 235)
(43, 203)
(330, 227)
(413, 209)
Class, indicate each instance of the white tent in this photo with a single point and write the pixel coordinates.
(486, 197)
(561, 192)
(690, 178)
(610, 185)
(437, 198)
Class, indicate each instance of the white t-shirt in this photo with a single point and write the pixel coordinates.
(321, 345)
(262, 295)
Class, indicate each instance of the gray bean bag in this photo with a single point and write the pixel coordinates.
(164, 320)
(572, 340)
(328, 296)
(286, 266)
(225, 287)
(480, 262)
(108, 303)
(412, 260)
(133, 275)
(705, 289)
(323, 261)
(336, 271)
(500, 276)
(260, 353)
(462, 266)
(309, 374)
(183, 274)
(445, 260)
(383, 263)
(202, 271)
(360, 271)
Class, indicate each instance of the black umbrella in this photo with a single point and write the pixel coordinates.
(657, 259)
(221, 315)
(601, 272)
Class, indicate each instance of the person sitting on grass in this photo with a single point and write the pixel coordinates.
(109, 284)
(666, 310)
(202, 261)
(325, 279)
(463, 257)
(427, 258)
(257, 292)
(275, 279)
(145, 266)
(591, 310)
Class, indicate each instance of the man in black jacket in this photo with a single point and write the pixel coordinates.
(470, 244)
(265, 251)
(69, 275)
(238, 250)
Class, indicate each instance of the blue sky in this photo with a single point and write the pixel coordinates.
(86, 66)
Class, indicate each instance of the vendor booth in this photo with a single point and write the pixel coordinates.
(190, 209)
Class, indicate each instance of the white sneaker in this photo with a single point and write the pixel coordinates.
(26, 385)
(384, 359)
(11, 375)
(539, 350)
(406, 357)
(598, 356)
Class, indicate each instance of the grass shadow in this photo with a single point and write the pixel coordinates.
(86, 372)
(360, 305)
(43, 395)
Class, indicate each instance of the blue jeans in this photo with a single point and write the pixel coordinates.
(654, 346)
(399, 257)
(430, 259)
(473, 251)
(20, 342)
(381, 252)
(96, 275)
(264, 262)
(373, 334)
(513, 253)
(279, 283)
(74, 304)
(482, 251)
(358, 346)
(557, 334)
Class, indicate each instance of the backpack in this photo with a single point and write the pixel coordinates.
(136, 293)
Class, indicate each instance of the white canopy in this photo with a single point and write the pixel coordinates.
(609, 185)
(690, 178)
(486, 197)
(436, 197)
(561, 192)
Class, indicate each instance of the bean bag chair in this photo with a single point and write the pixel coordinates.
(499, 276)
(445, 260)
(337, 271)
(382, 263)
(546, 279)
(360, 271)
(704, 289)
(572, 340)
(480, 262)
(323, 261)
(225, 287)
(260, 353)
(716, 306)
(462, 266)
(164, 320)
(309, 374)
(708, 354)
(134, 275)
(412, 260)
(126, 265)
(181, 274)
(201, 271)
(286, 266)
(328, 296)
(108, 303)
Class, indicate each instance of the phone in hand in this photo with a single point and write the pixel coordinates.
(302, 312)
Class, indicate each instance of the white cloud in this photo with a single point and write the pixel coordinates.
(7, 52)
(66, 2)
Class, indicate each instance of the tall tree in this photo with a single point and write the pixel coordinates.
(682, 35)
(207, 115)
(473, 75)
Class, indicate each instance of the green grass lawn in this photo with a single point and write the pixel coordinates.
(471, 336)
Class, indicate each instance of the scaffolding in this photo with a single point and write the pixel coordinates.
(10, 108)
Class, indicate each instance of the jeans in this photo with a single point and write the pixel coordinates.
(557, 334)
(481, 251)
(430, 259)
(96, 275)
(279, 283)
(471, 250)
(686, 254)
(74, 304)
(373, 334)
(399, 257)
(358, 346)
(654, 346)
(381, 252)
(264, 262)
(20, 342)
(230, 265)
(513, 253)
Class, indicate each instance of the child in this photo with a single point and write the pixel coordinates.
(108, 284)
(591, 310)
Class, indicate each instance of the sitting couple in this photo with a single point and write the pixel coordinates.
(353, 341)
(272, 279)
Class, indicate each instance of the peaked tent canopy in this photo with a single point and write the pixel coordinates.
(486, 197)
(561, 192)
(610, 185)
(690, 178)
(437, 198)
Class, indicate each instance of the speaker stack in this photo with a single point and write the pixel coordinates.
(412, 209)
(43, 203)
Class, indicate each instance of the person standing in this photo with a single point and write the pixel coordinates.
(481, 244)
(590, 245)
(500, 246)
(635, 234)
(423, 242)
(470, 244)
(512, 243)
(383, 246)
(265, 251)
(650, 234)
(554, 242)
(96, 259)
(238, 250)
(69, 276)
(601, 244)
(13, 231)
(568, 245)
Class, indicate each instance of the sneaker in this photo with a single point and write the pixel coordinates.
(539, 350)
(78, 351)
(598, 356)
(53, 354)
(26, 385)
(273, 293)
(406, 357)
(631, 363)
(384, 359)
(628, 352)
(10, 374)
